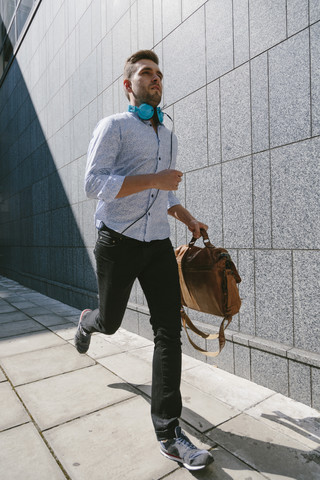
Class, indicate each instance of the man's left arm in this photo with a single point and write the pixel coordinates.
(182, 214)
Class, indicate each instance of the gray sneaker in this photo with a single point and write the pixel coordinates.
(81, 338)
(181, 450)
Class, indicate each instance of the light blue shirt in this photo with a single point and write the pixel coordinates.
(124, 145)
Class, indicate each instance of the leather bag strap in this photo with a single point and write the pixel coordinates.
(205, 238)
(186, 322)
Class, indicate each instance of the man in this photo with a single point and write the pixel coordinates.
(130, 170)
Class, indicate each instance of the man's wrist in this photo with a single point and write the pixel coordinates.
(152, 183)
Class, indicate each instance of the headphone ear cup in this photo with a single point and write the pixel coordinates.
(145, 111)
(160, 114)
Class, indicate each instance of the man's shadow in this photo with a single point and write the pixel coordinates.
(264, 457)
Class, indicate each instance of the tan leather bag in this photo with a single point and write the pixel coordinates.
(208, 283)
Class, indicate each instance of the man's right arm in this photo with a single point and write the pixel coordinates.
(103, 149)
(163, 180)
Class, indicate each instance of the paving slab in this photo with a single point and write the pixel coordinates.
(189, 362)
(62, 398)
(203, 411)
(2, 376)
(234, 391)
(25, 456)
(19, 327)
(43, 301)
(225, 467)
(128, 340)
(12, 412)
(64, 310)
(22, 304)
(144, 353)
(11, 296)
(13, 316)
(49, 319)
(31, 366)
(6, 308)
(5, 295)
(35, 297)
(89, 447)
(291, 418)
(65, 330)
(72, 311)
(101, 347)
(53, 304)
(28, 343)
(266, 449)
(36, 310)
(72, 318)
(129, 367)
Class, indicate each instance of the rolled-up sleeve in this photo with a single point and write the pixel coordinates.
(100, 181)
(172, 200)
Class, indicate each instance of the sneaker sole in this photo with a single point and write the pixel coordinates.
(180, 461)
(82, 350)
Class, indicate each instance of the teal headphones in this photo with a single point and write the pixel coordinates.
(146, 111)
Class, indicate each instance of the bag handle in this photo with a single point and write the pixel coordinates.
(222, 339)
(205, 238)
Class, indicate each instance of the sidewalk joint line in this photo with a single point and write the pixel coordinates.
(40, 432)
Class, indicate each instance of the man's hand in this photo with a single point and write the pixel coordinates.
(182, 214)
(167, 179)
(194, 226)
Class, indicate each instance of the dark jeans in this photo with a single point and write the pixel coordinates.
(120, 260)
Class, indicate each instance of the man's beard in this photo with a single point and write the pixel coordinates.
(152, 100)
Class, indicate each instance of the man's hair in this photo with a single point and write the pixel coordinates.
(136, 57)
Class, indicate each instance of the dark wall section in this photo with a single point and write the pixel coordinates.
(41, 244)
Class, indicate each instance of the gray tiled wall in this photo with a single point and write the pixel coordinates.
(242, 82)
(289, 84)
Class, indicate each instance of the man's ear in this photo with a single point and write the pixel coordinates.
(127, 86)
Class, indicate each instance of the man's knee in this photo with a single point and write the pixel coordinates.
(107, 324)
(108, 329)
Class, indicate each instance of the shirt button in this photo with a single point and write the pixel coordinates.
(152, 196)
(149, 213)
(159, 158)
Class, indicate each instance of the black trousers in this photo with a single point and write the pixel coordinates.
(120, 260)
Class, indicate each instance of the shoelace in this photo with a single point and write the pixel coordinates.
(185, 441)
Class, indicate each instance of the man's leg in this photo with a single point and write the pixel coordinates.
(117, 267)
(160, 283)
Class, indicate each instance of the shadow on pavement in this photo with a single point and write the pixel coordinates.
(267, 457)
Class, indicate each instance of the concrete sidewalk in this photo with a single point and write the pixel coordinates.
(87, 417)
